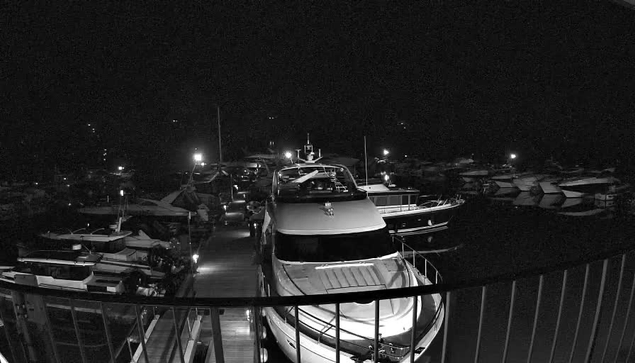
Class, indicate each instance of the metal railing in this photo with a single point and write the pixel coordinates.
(578, 311)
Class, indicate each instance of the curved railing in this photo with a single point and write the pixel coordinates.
(33, 319)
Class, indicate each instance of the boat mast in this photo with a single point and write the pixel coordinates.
(220, 150)
(365, 160)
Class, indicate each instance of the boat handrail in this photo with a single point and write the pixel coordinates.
(97, 230)
(437, 275)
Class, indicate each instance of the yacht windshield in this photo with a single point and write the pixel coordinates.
(332, 248)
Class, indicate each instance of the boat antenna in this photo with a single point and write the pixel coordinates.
(365, 160)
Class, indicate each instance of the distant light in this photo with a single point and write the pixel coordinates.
(202, 164)
(512, 156)
(36, 183)
(198, 157)
(195, 257)
(288, 155)
(405, 156)
(175, 121)
(88, 125)
(386, 152)
(121, 192)
(120, 168)
(68, 185)
(386, 177)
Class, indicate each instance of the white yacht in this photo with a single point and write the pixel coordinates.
(322, 235)
(407, 212)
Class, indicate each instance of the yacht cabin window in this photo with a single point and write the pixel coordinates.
(334, 248)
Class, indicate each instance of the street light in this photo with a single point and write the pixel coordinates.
(198, 157)
(386, 152)
(288, 155)
(512, 156)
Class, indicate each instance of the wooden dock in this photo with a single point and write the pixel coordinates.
(225, 268)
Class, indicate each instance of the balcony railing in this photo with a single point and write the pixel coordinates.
(578, 311)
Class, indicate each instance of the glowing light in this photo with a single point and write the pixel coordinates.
(386, 152)
(120, 168)
(121, 192)
(198, 157)
(325, 267)
(386, 177)
(202, 164)
(512, 156)
(288, 155)
(195, 257)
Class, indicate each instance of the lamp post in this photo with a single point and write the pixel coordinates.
(198, 157)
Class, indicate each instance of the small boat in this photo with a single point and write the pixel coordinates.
(581, 186)
(549, 185)
(64, 270)
(407, 212)
(474, 174)
(179, 204)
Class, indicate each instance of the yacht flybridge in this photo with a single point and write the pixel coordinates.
(322, 235)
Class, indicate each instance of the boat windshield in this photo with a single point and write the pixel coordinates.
(316, 182)
(332, 248)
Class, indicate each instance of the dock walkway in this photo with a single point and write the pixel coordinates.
(226, 268)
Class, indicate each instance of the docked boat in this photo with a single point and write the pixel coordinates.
(179, 204)
(549, 185)
(525, 182)
(64, 270)
(407, 212)
(581, 186)
(474, 174)
(322, 235)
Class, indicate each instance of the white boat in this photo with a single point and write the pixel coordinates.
(406, 212)
(179, 204)
(527, 181)
(549, 185)
(474, 174)
(322, 235)
(581, 186)
(64, 270)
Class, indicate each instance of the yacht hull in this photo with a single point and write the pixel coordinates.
(417, 221)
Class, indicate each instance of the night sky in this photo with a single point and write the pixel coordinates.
(433, 79)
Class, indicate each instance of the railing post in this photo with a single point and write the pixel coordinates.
(480, 322)
(509, 320)
(177, 336)
(106, 329)
(577, 327)
(444, 349)
(628, 313)
(217, 336)
(337, 332)
(142, 333)
(598, 312)
(6, 331)
(376, 343)
(533, 331)
(413, 333)
(297, 334)
(615, 304)
(78, 333)
(559, 318)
